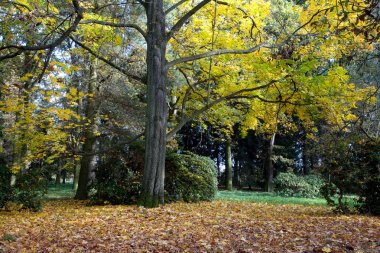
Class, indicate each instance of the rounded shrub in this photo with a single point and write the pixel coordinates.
(116, 183)
(190, 177)
(30, 186)
(315, 183)
(290, 185)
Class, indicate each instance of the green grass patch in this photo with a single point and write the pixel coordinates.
(266, 197)
(62, 191)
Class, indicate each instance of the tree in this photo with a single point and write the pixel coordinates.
(259, 78)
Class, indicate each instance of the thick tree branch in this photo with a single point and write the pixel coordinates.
(11, 55)
(182, 21)
(175, 6)
(218, 52)
(122, 25)
(108, 62)
(234, 95)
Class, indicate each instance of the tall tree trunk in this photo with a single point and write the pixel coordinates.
(236, 173)
(89, 139)
(218, 162)
(156, 122)
(58, 178)
(64, 175)
(76, 175)
(269, 166)
(228, 165)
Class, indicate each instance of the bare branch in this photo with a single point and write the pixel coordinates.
(123, 25)
(218, 52)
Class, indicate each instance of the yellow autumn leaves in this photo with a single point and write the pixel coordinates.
(307, 44)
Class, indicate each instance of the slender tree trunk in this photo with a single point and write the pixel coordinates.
(64, 175)
(269, 166)
(156, 122)
(58, 178)
(218, 162)
(228, 165)
(236, 173)
(89, 139)
(76, 175)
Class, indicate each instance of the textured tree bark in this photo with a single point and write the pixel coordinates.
(156, 122)
(269, 166)
(89, 139)
(228, 165)
(76, 175)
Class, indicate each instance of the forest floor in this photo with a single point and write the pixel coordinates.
(219, 226)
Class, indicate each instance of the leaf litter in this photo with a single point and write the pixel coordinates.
(219, 226)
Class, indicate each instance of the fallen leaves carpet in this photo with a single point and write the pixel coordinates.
(220, 226)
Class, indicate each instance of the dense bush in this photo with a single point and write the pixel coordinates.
(290, 185)
(116, 183)
(370, 197)
(315, 182)
(30, 186)
(5, 186)
(27, 191)
(353, 165)
(190, 177)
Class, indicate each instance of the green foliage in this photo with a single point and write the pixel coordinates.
(190, 177)
(9, 238)
(353, 167)
(5, 186)
(116, 183)
(370, 190)
(25, 194)
(29, 188)
(315, 184)
(370, 197)
(291, 185)
(328, 191)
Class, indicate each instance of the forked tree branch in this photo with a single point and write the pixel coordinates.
(120, 25)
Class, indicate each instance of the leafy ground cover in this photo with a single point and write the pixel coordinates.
(219, 226)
